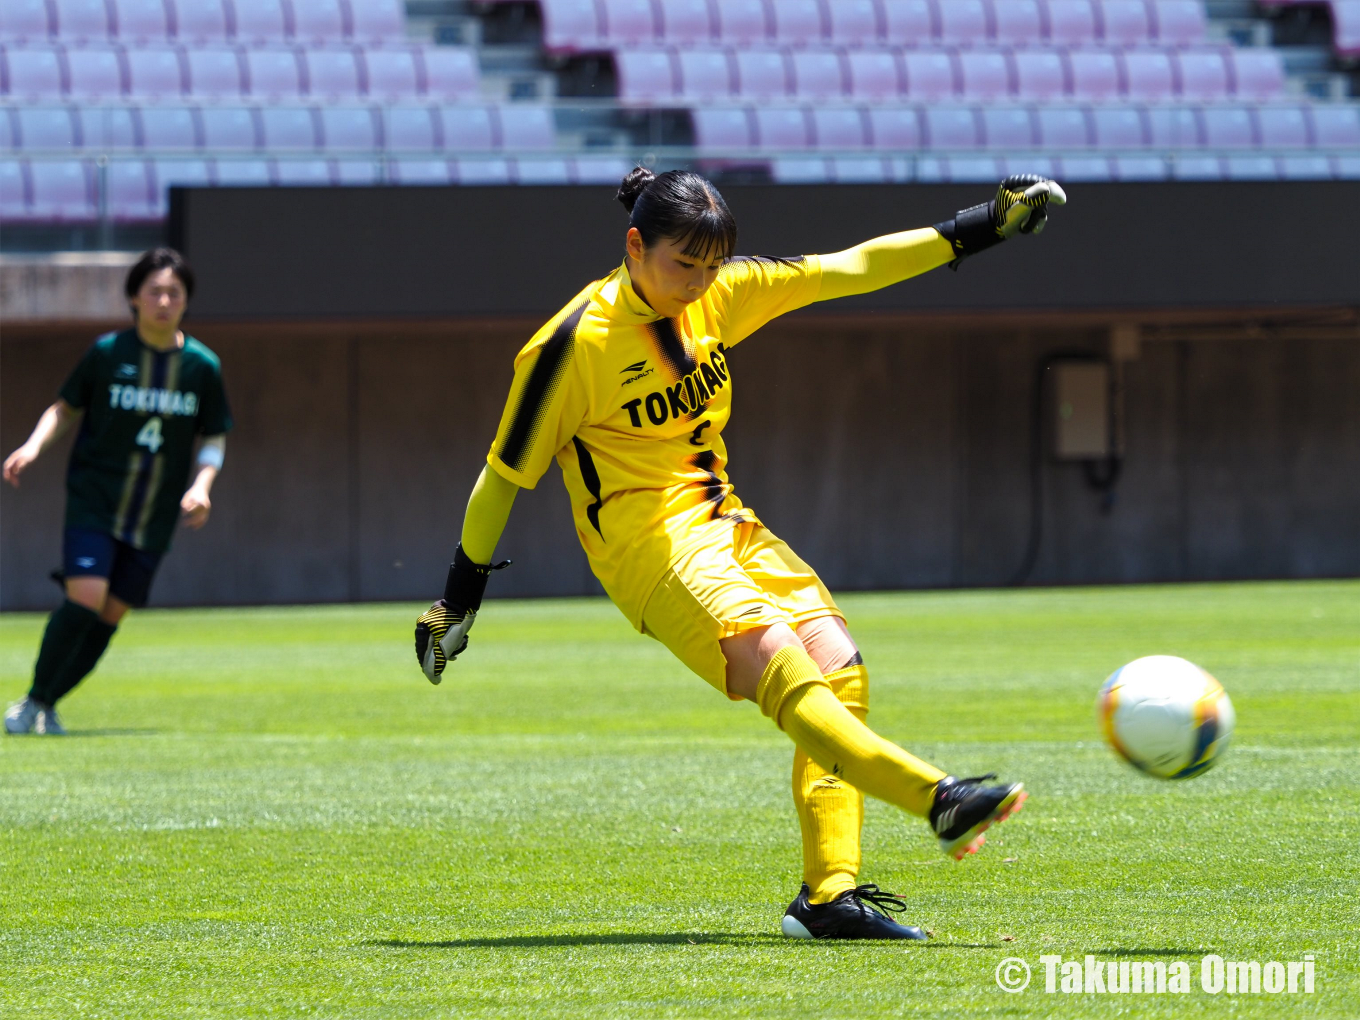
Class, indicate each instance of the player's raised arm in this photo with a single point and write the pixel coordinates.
(53, 424)
(1020, 207)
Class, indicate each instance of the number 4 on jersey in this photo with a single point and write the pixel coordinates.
(150, 435)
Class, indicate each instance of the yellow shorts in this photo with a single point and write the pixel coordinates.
(748, 579)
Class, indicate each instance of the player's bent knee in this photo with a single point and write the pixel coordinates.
(750, 652)
(90, 592)
(827, 639)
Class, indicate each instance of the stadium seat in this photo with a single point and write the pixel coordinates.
(45, 129)
(1251, 168)
(1117, 127)
(817, 74)
(1028, 163)
(166, 128)
(1094, 75)
(378, 21)
(169, 173)
(1305, 168)
(214, 73)
(410, 129)
(797, 22)
(25, 21)
(127, 184)
(482, 171)
(93, 73)
(704, 75)
(32, 75)
(852, 22)
(721, 128)
(1197, 168)
(356, 171)
(154, 73)
(1017, 22)
(61, 192)
(391, 74)
(1123, 22)
(1201, 75)
(1007, 127)
(951, 127)
(1038, 74)
(644, 76)
(741, 22)
(929, 75)
(200, 22)
(781, 127)
(1346, 27)
(1070, 22)
(600, 169)
(1228, 127)
(1172, 127)
(837, 127)
(106, 128)
(1178, 22)
(852, 170)
(13, 191)
(284, 128)
(909, 22)
(450, 72)
(1148, 76)
(273, 74)
(1139, 168)
(894, 128)
(466, 129)
(1256, 73)
(983, 75)
(1282, 127)
(142, 22)
(799, 171)
(956, 170)
(318, 22)
(260, 22)
(685, 22)
(347, 128)
(229, 127)
(8, 142)
(962, 22)
(628, 22)
(541, 171)
(527, 127)
(303, 173)
(242, 173)
(424, 172)
(1063, 127)
(331, 74)
(80, 21)
(1083, 168)
(873, 74)
(761, 74)
(569, 25)
(1336, 127)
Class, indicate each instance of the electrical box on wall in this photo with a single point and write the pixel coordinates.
(1081, 427)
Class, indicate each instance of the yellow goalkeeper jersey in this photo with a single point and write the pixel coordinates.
(633, 405)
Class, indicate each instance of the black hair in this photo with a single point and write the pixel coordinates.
(154, 261)
(679, 205)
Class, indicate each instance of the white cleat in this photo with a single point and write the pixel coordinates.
(49, 724)
(22, 716)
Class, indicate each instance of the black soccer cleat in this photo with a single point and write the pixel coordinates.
(848, 916)
(964, 808)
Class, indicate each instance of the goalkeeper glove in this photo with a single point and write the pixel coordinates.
(1020, 207)
(442, 630)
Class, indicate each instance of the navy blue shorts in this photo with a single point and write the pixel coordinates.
(130, 571)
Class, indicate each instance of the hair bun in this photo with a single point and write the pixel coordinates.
(634, 185)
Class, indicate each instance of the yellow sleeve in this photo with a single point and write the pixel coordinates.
(547, 403)
(750, 291)
(487, 511)
(883, 261)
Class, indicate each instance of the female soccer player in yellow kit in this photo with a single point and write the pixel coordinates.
(628, 387)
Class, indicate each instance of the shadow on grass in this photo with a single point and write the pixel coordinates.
(1149, 952)
(630, 939)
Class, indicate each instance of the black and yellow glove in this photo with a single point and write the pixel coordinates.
(442, 630)
(1020, 207)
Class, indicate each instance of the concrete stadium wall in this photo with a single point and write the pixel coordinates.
(891, 451)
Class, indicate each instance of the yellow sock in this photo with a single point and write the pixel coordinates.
(831, 812)
(793, 692)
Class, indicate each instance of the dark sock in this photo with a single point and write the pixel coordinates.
(78, 666)
(65, 633)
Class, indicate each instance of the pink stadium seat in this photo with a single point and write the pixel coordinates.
(1148, 76)
(541, 171)
(1202, 76)
(170, 173)
(817, 74)
(1251, 168)
(106, 128)
(1139, 168)
(644, 76)
(1282, 127)
(303, 173)
(349, 127)
(154, 73)
(331, 74)
(356, 171)
(929, 74)
(93, 73)
(1124, 22)
(8, 142)
(1346, 27)
(214, 73)
(62, 191)
(411, 129)
(1063, 127)
(894, 128)
(862, 170)
(852, 22)
(1094, 74)
(200, 21)
(1336, 127)
(873, 74)
(419, 172)
(1178, 22)
(273, 73)
(1085, 168)
(482, 171)
(161, 128)
(128, 191)
(1070, 22)
(685, 22)
(1029, 164)
(32, 74)
(391, 74)
(951, 127)
(1117, 127)
(909, 22)
(781, 127)
(963, 22)
(229, 127)
(1256, 73)
(25, 21)
(983, 74)
(1172, 127)
(82, 20)
(721, 128)
(1305, 168)
(466, 129)
(600, 169)
(45, 129)
(761, 74)
(142, 21)
(1038, 74)
(837, 127)
(704, 75)
(13, 190)
(260, 21)
(242, 173)
(798, 170)
(1007, 127)
(741, 21)
(569, 25)
(318, 22)
(797, 22)
(288, 128)
(527, 127)
(450, 72)
(629, 22)
(377, 21)
(1017, 22)
(968, 169)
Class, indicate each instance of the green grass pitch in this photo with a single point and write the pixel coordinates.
(270, 813)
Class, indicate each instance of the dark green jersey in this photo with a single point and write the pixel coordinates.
(132, 459)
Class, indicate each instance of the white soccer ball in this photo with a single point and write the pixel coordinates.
(1165, 716)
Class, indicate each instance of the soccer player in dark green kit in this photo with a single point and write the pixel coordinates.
(142, 397)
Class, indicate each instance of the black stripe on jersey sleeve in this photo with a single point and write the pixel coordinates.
(553, 358)
(671, 348)
(591, 476)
